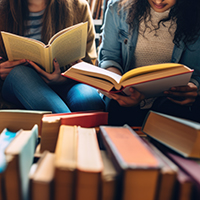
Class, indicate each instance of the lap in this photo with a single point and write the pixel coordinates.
(134, 116)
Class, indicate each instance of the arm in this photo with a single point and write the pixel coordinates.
(110, 48)
(186, 95)
(110, 55)
(7, 66)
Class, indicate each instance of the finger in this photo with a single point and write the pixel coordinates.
(181, 94)
(188, 88)
(37, 68)
(11, 64)
(187, 101)
(56, 65)
(18, 62)
(6, 70)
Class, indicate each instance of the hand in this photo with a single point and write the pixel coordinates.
(7, 66)
(183, 95)
(128, 101)
(53, 78)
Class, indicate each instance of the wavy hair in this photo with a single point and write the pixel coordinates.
(16, 13)
(185, 13)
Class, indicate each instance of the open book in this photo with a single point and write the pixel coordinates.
(66, 46)
(150, 80)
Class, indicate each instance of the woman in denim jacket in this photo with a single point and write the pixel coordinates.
(144, 32)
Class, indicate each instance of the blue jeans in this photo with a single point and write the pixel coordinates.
(25, 88)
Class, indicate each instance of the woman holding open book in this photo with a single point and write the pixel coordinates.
(145, 32)
(25, 83)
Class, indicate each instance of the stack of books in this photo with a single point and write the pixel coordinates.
(79, 156)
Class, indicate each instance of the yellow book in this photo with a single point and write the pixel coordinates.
(181, 135)
(150, 80)
(66, 46)
(89, 165)
(65, 162)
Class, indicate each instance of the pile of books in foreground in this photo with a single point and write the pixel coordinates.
(77, 156)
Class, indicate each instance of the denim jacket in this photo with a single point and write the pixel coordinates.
(118, 45)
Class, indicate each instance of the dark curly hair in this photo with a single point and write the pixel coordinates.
(185, 13)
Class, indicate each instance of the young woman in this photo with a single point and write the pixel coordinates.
(144, 32)
(27, 85)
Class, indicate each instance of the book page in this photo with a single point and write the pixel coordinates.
(89, 70)
(18, 47)
(70, 46)
(62, 31)
(149, 69)
(156, 87)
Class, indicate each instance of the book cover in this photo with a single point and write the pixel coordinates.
(137, 166)
(19, 157)
(181, 135)
(150, 80)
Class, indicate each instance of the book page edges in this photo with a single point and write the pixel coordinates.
(194, 152)
(66, 148)
(88, 160)
(45, 168)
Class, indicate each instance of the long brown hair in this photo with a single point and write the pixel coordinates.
(186, 14)
(56, 14)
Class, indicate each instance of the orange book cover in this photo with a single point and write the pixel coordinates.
(138, 168)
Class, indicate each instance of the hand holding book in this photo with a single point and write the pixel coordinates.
(50, 78)
(68, 45)
(150, 80)
(183, 95)
(133, 99)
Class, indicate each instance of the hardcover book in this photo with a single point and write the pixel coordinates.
(51, 124)
(179, 134)
(138, 168)
(150, 80)
(19, 156)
